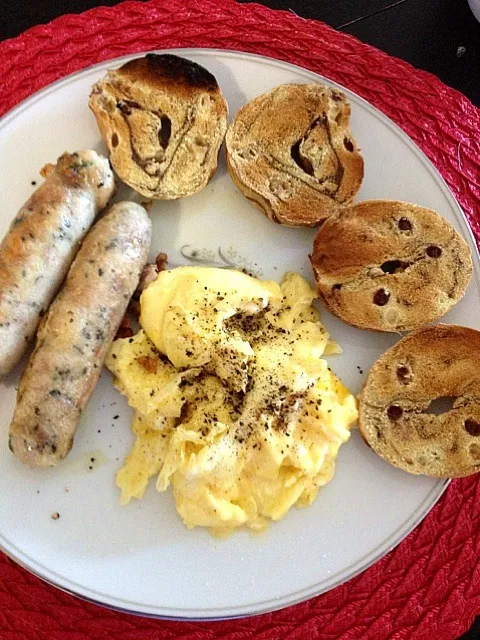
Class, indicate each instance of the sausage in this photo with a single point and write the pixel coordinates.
(76, 334)
(41, 243)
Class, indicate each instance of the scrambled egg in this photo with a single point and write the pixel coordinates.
(234, 406)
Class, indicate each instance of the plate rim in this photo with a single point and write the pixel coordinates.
(366, 561)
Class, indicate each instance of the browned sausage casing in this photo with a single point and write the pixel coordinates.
(76, 335)
(41, 243)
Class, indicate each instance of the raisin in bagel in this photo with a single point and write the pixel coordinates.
(394, 418)
(291, 152)
(163, 119)
(389, 266)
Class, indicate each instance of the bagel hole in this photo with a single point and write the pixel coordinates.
(165, 131)
(393, 266)
(440, 405)
(472, 427)
(114, 140)
(348, 144)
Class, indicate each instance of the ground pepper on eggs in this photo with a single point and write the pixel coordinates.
(229, 387)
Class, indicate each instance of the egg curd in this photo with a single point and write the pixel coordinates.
(234, 405)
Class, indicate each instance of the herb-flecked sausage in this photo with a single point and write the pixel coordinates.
(41, 243)
(76, 334)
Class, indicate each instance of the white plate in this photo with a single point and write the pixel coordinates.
(140, 558)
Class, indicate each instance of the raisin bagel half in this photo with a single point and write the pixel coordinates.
(389, 266)
(396, 415)
(291, 152)
(163, 119)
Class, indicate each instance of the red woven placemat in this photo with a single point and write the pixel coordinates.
(428, 588)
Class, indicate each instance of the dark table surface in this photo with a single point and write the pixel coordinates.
(440, 36)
